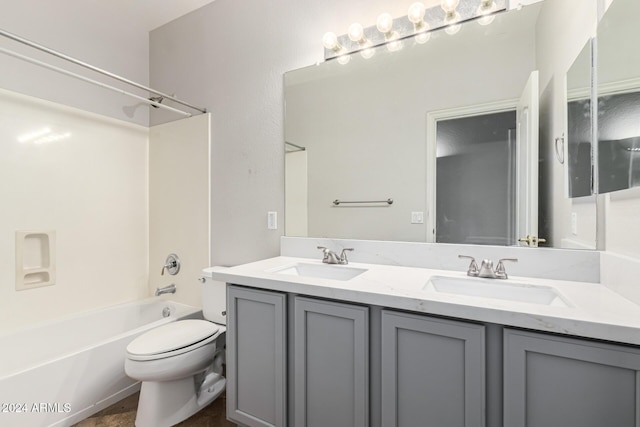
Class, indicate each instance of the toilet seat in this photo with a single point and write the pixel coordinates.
(172, 339)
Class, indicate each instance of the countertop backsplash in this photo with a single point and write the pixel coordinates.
(558, 264)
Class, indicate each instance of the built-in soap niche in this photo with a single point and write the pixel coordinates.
(35, 259)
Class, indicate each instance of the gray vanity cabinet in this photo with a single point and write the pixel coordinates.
(256, 357)
(553, 381)
(331, 366)
(433, 371)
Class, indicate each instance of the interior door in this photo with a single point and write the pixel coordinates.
(527, 159)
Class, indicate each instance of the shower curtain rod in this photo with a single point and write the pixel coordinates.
(88, 80)
(96, 69)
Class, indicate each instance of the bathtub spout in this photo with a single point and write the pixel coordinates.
(171, 289)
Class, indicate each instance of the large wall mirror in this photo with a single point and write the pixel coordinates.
(619, 97)
(578, 150)
(436, 142)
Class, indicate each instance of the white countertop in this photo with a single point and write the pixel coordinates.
(594, 312)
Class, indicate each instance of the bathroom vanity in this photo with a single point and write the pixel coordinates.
(311, 344)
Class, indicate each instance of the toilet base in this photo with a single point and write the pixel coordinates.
(167, 403)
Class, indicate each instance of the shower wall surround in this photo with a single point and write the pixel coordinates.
(84, 177)
(179, 194)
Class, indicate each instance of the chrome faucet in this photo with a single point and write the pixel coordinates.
(171, 289)
(330, 257)
(486, 269)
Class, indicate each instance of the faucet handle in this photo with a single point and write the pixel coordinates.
(473, 266)
(343, 255)
(171, 265)
(325, 252)
(500, 270)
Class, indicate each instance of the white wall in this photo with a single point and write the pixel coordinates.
(91, 189)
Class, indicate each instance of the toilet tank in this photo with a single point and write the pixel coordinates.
(214, 300)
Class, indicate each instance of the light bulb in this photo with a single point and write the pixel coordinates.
(367, 53)
(449, 6)
(453, 29)
(394, 43)
(330, 41)
(422, 38)
(416, 13)
(486, 20)
(486, 10)
(356, 33)
(451, 21)
(384, 23)
(394, 46)
(344, 59)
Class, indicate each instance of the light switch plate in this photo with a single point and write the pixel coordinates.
(272, 220)
(417, 217)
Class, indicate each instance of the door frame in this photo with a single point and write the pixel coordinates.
(432, 119)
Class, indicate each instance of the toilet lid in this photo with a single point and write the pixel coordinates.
(172, 336)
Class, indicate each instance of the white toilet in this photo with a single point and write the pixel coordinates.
(180, 366)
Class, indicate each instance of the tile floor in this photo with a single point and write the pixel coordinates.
(123, 414)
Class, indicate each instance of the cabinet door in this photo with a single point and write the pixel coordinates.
(553, 381)
(433, 372)
(256, 357)
(331, 364)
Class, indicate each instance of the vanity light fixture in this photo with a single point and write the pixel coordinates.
(420, 28)
(486, 10)
(421, 20)
(452, 17)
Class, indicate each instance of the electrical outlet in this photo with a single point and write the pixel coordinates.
(417, 217)
(272, 220)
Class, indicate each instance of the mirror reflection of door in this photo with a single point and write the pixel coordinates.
(475, 176)
(527, 123)
(487, 175)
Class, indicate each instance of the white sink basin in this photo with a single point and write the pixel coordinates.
(321, 271)
(495, 289)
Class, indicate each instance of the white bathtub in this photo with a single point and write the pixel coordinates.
(61, 372)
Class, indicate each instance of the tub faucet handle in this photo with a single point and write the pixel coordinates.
(171, 265)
